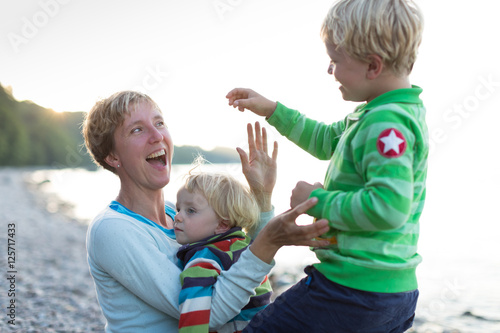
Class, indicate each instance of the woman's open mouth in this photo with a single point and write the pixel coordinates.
(159, 157)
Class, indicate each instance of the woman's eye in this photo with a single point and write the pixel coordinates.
(161, 123)
(136, 130)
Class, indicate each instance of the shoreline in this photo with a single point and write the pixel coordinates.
(50, 287)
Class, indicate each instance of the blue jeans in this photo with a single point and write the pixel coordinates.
(316, 304)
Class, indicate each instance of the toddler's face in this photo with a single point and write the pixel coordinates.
(195, 218)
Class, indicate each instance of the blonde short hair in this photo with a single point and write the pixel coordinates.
(229, 199)
(391, 29)
(104, 118)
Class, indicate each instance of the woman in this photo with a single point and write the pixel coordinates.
(131, 244)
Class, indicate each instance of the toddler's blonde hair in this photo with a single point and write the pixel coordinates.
(230, 200)
(391, 29)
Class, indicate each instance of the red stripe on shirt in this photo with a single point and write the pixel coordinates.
(206, 265)
(225, 245)
(194, 318)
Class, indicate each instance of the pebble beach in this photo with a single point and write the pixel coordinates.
(48, 286)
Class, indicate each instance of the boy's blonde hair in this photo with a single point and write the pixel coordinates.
(230, 200)
(391, 29)
(104, 118)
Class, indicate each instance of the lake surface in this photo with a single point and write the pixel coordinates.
(459, 278)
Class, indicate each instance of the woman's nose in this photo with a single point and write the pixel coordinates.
(156, 135)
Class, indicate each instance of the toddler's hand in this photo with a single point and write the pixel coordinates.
(243, 98)
(301, 192)
(259, 168)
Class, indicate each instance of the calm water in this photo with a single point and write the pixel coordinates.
(459, 278)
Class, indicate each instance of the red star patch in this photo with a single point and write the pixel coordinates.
(391, 143)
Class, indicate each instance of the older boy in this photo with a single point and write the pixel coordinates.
(374, 189)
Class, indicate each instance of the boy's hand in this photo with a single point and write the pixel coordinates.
(243, 98)
(301, 192)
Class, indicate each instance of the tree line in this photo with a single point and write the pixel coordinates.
(31, 135)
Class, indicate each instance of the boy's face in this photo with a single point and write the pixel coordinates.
(195, 218)
(350, 73)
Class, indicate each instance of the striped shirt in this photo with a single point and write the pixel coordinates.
(203, 261)
(374, 189)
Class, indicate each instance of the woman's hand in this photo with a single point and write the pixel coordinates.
(259, 169)
(282, 230)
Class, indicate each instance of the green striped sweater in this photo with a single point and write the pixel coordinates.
(374, 189)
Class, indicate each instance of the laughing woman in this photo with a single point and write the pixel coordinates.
(131, 244)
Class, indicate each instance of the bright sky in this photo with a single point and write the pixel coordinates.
(65, 54)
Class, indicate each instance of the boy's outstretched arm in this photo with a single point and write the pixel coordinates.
(244, 98)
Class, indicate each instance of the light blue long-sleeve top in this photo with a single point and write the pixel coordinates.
(134, 266)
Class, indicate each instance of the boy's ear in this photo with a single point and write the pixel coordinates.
(375, 66)
(222, 227)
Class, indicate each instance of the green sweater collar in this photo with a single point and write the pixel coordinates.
(407, 95)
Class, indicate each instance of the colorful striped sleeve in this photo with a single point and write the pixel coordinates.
(197, 279)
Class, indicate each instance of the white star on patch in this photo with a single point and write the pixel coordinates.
(391, 142)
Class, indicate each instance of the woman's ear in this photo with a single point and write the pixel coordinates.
(112, 160)
(222, 227)
(375, 66)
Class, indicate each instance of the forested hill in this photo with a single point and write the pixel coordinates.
(31, 135)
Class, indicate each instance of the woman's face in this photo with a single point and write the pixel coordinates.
(143, 149)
